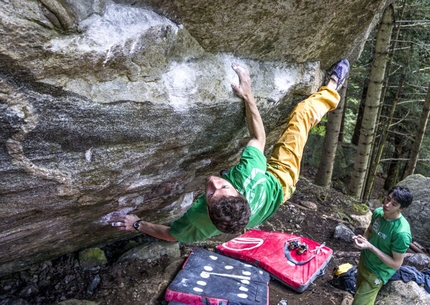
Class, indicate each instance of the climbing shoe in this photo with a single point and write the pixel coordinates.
(293, 245)
(340, 72)
(302, 248)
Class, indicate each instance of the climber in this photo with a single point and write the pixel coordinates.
(383, 245)
(250, 192)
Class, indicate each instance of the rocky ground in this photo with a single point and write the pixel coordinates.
(124, 282)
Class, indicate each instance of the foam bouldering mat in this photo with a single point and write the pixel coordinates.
(211, 278)
(294, 260)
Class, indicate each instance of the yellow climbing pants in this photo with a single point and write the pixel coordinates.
(284, 163)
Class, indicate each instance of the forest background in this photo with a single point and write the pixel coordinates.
(386, 108)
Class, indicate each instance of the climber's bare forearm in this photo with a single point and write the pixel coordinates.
(126, 223)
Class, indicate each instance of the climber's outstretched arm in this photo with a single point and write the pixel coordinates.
(126, 223)
(253, 118)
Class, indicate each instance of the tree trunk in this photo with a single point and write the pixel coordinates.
(367, 132)
(325, 170)
(384, 128)
(383, 139)
(394, 171)
(356, 134)
(416, 146)
(342, 122)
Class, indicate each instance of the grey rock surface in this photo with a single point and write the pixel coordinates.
(282, 31)
(343, 232)
(125, 106)
(398, 292)
(153, 251)
(418, 212)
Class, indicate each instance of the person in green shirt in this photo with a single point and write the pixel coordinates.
(250, 192)
(383, 245)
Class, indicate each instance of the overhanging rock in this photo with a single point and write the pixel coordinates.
(125, 106)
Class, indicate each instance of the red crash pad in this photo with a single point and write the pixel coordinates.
(270, 251)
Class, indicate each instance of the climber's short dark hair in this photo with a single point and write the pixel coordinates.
(230, 214)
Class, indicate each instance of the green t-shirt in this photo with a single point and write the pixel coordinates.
(387, 235)
(262, 190)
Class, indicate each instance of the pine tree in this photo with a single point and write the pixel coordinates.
(370, 114)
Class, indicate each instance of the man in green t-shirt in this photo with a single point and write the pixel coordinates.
(253, 190)
(383, 245)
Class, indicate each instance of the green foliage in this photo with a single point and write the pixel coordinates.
(320, 128)
(411, 58)
(350, 118)
(423, 167)
(360, 209)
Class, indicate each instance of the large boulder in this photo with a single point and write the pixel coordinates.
(398, 292)
(283, 31)
(120, 106)
(418, 212)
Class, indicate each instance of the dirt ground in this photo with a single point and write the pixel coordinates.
(131, 282)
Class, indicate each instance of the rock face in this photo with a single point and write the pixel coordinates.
(120, 106)
(418, 212)
(398, 292)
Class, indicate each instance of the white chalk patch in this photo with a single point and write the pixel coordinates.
(131, 199)
(244, 281)
(242, 295)
(107, 218)
(213, 257)
(122, 200)
(243, 288)
(208, 268)
(197, 289)
(120, 25)
(284, 79)
(88, 154)
(238, 68)
(201, 283)
(230, 76)
(180, 82)
(140, 182)
(246, 273)
(228, 267)
(188, 200)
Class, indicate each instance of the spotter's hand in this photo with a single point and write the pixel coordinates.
(360, 242)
